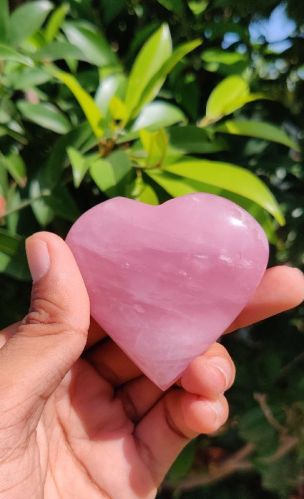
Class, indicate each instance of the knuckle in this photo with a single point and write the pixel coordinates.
(44, 310)
(129, 404)
(174, 427)
(46, 317)
(218, 350)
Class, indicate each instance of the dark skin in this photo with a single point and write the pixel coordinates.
(77, 418)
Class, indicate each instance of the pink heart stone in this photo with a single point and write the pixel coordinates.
(166, 281)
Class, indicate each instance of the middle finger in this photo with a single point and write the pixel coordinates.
(112, 363)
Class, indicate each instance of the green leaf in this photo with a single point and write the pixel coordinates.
(117, 109)
(259, 130)
(228, 96)
(55, 22)
(15, 266)
(4, 20)
(90, 109)
(62, 204)
(176, 6)
(45, 115)
(223, 57)
(7, 109)
(80, 138)
(110, 175)
(28, 78)
(192, 139)
(59, 50)
(8, 130)
(50, 173)
(92, 44)
(153, 149)
(9, 54)
(110, 86)
(156, 50)
(224, 61)
(80, 165)
(110, 10)
(179, 186)
(103, 175)
(42, 211)
(183, 463)
(26, 20)
(9, 244)
(155, 144)
(4, 184)
(141, 191)
(15, 165)
(12, 256)
(154, 85)
(13, 201)
(158, 114)
(198, 6)
(147, 195)
(231, 178)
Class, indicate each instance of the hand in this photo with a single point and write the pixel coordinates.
(95, 427)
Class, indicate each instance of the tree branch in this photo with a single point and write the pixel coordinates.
(236, 462)
(287, 444)
(261, 398)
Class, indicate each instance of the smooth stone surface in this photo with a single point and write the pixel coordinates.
(166, 281)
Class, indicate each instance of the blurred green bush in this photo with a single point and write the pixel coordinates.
(155, 100)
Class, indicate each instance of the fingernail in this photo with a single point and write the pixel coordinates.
(223, 369)
(38, 258)
(216, 408)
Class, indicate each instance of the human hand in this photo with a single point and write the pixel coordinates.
(95, 427)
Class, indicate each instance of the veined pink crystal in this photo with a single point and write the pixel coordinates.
(166, 281)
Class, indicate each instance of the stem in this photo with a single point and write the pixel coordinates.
(287, 444)
(261, 398)
(24, 204)
(291, 364)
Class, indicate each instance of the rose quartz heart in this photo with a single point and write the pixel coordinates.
(166, 281)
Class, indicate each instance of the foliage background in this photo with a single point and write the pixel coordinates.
(53, 167)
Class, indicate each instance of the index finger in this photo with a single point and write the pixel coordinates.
(281, 289)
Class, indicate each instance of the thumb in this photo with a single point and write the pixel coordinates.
(53, 334)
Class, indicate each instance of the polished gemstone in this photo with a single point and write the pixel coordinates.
(166, 281)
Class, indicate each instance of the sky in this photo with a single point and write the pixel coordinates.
(276, 29)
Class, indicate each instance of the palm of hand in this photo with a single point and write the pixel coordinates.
(91, 442)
